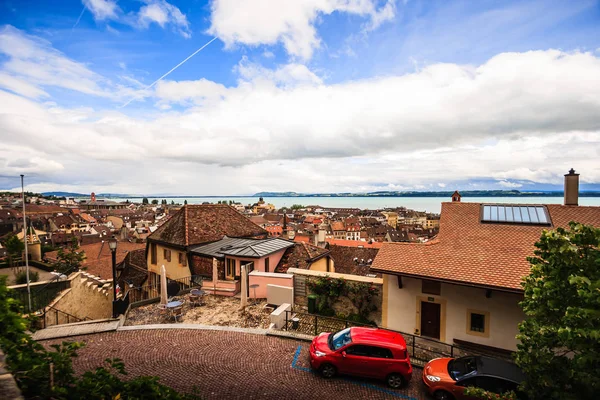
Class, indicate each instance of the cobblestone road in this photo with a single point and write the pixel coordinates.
(228, 365)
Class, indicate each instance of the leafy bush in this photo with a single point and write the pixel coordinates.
(21, 277)
(485, 395)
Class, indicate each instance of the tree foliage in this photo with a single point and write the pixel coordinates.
(145, 200)
(30, 362)
(560, 339)
(69, 259)
(296, 207)
(14, 248)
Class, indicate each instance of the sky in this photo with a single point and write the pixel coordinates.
(312, 96)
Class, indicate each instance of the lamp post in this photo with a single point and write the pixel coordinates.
(112, 245)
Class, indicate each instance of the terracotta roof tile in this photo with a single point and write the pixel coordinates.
(471, 252)
(98, 258)
(344, 259)
(300, 256)
(355, 243)
(202, 223)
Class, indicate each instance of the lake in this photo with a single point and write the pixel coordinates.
(429, 204)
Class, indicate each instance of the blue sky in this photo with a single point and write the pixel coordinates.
(307, 96)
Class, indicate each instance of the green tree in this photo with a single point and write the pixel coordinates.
(297, 207)
(14, 247)
(69, 259)
(155, 201)
(185, 202)
(560, 339)
(172, 202)
(145, 200)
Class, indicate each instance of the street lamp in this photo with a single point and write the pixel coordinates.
(112, 245)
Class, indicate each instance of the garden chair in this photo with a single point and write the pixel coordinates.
(177, 312)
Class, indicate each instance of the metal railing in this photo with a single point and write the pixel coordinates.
(41, 296)
(420, 349)
(149, 292)
(313, 324)
(53, 316)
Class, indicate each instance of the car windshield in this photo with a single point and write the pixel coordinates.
(461, 367)
(339, 339)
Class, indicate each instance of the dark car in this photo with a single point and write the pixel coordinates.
(447, 378)
(367, 352)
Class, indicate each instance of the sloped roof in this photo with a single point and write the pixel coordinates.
(344, 259)
(252, 248)
(301, 255)
(355, 243)
(203, 223)
(471, 252)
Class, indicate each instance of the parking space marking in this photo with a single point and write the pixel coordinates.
(365, 385)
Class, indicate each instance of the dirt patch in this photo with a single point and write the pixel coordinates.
(216, 310)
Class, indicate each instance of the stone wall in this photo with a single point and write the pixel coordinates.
(88, 297)
(343, 305)
(8, 386)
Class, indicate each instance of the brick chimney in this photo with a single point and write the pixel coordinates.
(93, 197)
(456, 196)
(571, 188)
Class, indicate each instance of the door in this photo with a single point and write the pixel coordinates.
(356, 361)
(229, 269)
(249, 268)
(430, 319)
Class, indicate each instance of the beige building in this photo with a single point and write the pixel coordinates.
(465, 285)
(391, 218)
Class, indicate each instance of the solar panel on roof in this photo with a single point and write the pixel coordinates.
(531, 215)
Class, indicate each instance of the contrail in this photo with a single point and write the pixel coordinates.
(78, 19)
(172, 69)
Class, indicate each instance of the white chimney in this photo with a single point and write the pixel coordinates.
(571, 188)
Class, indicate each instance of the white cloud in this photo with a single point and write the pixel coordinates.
(517, 117)
(102, 9)
(289, 22)
(163, 13)
(160, 12)
(512, 185)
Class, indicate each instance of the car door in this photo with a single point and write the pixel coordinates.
(380, 363)
(355, 360)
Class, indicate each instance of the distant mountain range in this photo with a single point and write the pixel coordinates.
(465, 193)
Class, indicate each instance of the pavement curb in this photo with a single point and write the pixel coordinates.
(255, 331)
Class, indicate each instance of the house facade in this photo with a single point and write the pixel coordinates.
(464, 286)
(191, 226)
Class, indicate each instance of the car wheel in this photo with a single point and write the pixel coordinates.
(395, 381)
(442, 395)
(328, 371)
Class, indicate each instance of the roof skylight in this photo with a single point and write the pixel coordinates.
(513, 214)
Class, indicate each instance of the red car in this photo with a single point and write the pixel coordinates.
(367, 352)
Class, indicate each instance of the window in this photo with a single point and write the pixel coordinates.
(358, 350)
(267, 264)
(478, 323)
(379, 352)
(463, 367)
(153, 253)
(182, 259)
(431, 287)
(167, 254)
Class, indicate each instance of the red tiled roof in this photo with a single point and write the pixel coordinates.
(471, 252)
(338, 226)
(202, 223)
(98, 258)
(355, 243)
(302, 238)
(300, 256)
(344, 257)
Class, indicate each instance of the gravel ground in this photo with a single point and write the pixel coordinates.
(217, 310)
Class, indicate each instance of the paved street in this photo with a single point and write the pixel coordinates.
(224, 364)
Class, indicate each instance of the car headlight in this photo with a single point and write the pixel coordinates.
(432, 378)
(319, 353)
